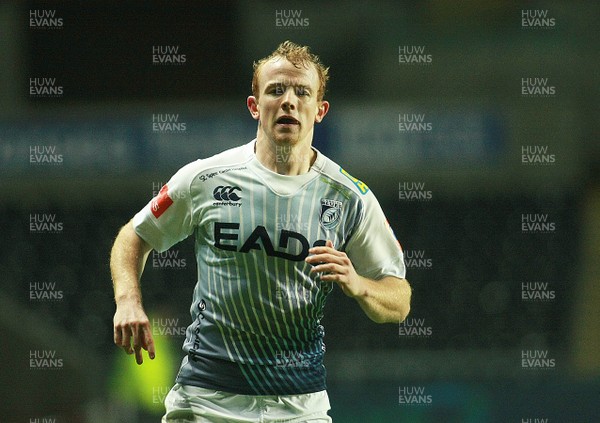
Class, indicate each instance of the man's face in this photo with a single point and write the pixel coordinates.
(287, 106)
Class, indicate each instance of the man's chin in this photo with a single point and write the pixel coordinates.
(286, 139)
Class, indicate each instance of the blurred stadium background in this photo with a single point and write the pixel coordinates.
(491, 288)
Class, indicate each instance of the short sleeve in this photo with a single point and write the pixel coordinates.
(168, 218)
(373, 248)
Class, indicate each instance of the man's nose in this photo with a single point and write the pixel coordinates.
(289, 99)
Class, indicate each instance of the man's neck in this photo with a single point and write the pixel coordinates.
(289, 160)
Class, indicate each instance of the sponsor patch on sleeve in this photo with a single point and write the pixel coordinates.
(161, 202)
(362, 187)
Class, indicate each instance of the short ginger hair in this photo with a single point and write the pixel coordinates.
(299, 56)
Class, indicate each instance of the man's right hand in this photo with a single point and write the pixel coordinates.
(131, 326)
(132, 330)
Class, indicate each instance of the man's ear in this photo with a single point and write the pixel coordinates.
(252, 104)
(322, 111)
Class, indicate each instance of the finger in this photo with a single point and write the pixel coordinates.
(137, 341)
(137, 346)
(325, 250)
(329, 243)
(327, 268)
(138, 355)
(149, 342)
(325, 258)
(117, 335)
(126, 339)
(330, 278)
(320, 250)
(316, 258)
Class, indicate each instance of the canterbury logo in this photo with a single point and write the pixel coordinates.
(226, 193)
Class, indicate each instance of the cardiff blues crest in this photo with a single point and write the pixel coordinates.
(331, 210)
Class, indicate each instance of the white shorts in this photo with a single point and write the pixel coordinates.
(186, 403)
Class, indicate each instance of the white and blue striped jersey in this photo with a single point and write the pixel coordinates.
(256, 311)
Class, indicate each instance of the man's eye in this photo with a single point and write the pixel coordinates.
(301, 91)
(278, 90)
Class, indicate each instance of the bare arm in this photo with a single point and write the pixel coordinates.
(127, 259)
(386, 300)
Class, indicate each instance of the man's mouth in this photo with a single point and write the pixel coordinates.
(287, 120)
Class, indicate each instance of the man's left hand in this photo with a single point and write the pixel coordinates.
(335, 266)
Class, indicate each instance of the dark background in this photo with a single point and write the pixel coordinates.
(467, 292)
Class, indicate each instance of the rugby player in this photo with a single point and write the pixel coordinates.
(277, 225)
